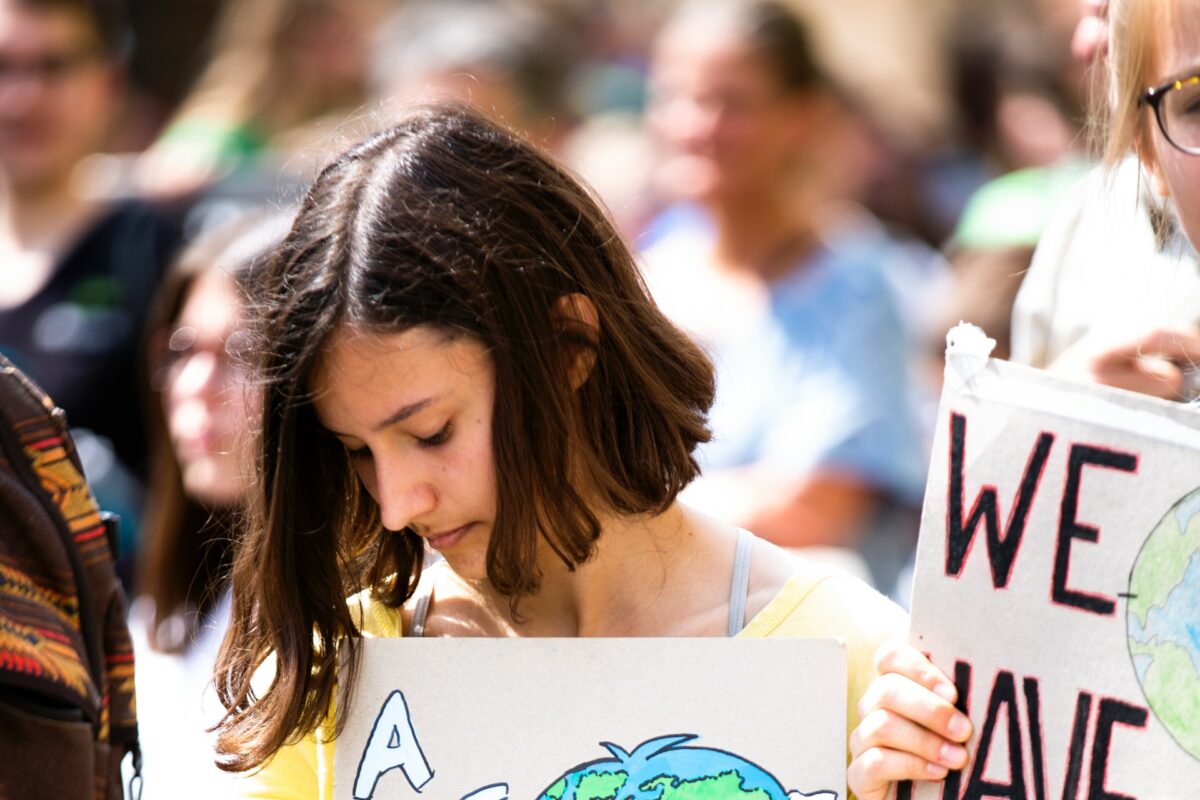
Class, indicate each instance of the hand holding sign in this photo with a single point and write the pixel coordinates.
(1159, 363)
(910, 728)
(1057, 579)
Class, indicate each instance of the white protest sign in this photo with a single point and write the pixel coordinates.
(1058, 584)
(596, 719)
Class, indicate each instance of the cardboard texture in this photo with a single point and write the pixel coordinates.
(1058, 584)
(489, 719)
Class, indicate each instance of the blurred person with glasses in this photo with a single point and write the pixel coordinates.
(200, 419)
(77, 271)
(1113, 294)
(1158, 43)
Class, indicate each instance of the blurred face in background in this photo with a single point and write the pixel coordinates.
(57, 93)
(727, 126)
(326, 49)
(1177, 57)
(207, 396)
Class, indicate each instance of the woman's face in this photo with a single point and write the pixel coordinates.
(726, 126)
(206, 397)
(1177, 174)
(414, 410)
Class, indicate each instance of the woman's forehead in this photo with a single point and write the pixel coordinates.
(1178, 30)
(362, 356)
(211, 304)
(361, 375)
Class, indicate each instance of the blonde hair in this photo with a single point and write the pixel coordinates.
(1130, 63)
(246, 82)
(1116, 109)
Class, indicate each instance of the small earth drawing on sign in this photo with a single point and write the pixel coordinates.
(1164, 621)
(663, 769)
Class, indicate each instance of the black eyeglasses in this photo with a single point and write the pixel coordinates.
(1176, 106)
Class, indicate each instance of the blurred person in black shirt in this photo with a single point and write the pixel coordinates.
(77, 271)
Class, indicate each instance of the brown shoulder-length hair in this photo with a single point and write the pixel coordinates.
(448, 221)
(183, 562)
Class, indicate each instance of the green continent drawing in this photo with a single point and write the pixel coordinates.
(1164, 621)
(588, 784)
(608, 786)
(710, 787)
(663, 769)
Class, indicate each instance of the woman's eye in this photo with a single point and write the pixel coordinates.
(438, 438)
(358, 454)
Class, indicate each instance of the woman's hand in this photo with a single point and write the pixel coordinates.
(1161, 363)
(909, 729)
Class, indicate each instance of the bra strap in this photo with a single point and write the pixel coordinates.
(421, 609)
(741, 582)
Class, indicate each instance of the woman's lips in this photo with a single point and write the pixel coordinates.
(201, 444)
(447, 539)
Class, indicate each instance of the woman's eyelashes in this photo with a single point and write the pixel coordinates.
(363, 453)
(441, 437)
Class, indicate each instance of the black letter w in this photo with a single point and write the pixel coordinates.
(1001, 551)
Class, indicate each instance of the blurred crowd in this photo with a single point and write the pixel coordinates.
(882, 169)
(817, 191)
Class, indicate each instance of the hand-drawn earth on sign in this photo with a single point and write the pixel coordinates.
(1164, 621)
(663, 769)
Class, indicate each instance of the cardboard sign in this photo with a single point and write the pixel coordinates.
(1058, 584)
(589, 719)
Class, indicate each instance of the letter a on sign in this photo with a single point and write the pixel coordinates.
(392, 744)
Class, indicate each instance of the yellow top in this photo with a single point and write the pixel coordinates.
(814, 603)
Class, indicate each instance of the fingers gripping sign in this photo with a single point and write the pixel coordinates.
(1161, 363)
(909, 729)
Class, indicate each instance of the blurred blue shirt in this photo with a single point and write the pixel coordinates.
(816, 377)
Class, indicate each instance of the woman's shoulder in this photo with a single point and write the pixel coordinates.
(822, 601)
(803, 596)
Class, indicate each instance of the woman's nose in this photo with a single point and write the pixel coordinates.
(693, 121)
(404, 496)
(198, 375)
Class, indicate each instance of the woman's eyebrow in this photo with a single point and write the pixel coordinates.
(1184, 74)
(404, 412)
(401, 414)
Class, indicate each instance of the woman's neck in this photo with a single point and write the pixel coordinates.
(36, 228)
(41, 218)
(638, 583)
(765, 239)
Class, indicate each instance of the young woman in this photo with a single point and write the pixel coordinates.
(1156, 58)
(457, 353)
(200, 414)
(1154, 55)
(1083, 311)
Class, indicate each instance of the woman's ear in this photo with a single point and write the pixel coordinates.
(575, 315)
